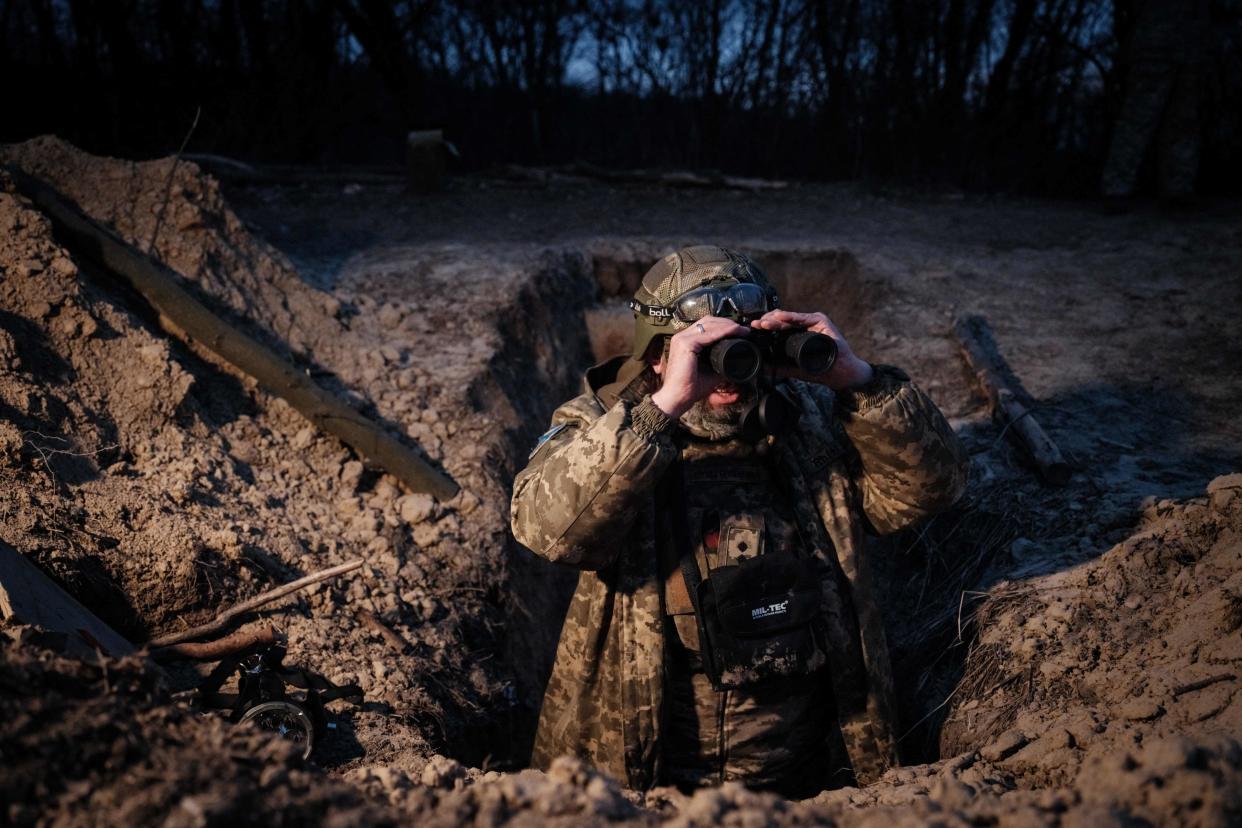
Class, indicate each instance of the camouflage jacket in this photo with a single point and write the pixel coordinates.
(876, 458)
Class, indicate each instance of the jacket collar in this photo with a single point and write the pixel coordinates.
(619, 378)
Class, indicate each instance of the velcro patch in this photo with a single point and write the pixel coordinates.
(547, 435)
(822, 460)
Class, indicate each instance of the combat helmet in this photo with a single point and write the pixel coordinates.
(677, 273)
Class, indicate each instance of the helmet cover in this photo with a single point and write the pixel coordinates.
(683, 271)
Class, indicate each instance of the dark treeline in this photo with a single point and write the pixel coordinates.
(983, 94)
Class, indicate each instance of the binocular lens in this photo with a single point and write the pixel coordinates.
(811, 352)
(735, 359)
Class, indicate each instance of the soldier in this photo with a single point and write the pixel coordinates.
(1161, 105)
(724, 625)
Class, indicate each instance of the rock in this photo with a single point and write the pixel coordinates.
(364, 525)
(951, 793)
(303, 439)
(426, 534)
(706, 807)
(1224, 490)
(348, 506)
(390, 316)
(1007, 744)
(64, 266)
(351, 473)
(8, 352)
(415, 508)
(1140, 709)
(87, 325)
(442, 772)
(468, 502)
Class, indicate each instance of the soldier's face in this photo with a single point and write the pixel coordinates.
(725, 402)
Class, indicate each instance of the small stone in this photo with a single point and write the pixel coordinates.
(469, 501)
(1061, 738)
(364, 525)
(64, 266)
(426, 534)
(351, 473)
(303, 439)
(952, 793)
(1140, 709)
(390, 316)
(442, 772)
(1223, 491)
(415, 508)
(1007, 744)
(1134, 602)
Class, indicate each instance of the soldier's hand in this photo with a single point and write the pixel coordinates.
(847, 372)
(684, 382)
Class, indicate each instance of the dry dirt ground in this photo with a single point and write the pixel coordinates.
(1066, 656)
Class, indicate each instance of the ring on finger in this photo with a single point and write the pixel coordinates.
(701, 328)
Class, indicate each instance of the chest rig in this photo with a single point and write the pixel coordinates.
(744, 592)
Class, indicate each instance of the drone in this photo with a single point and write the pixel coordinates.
(287, 701)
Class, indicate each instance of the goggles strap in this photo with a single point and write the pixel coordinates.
(654, 311)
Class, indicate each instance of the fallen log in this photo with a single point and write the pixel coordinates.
(222, 620)
(974, 336)
(672, 178)
(242, 641)
(192, 321)
(677, 178)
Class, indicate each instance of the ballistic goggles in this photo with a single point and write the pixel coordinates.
(738, 302)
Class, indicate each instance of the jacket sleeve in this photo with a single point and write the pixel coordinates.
(911, 464)
(587, 479)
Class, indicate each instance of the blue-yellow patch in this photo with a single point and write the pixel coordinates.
(547, 435)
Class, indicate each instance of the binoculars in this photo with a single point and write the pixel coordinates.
(739, 360)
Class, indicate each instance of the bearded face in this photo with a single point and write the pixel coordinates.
(713, 419)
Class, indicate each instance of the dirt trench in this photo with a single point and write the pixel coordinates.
(158, 485)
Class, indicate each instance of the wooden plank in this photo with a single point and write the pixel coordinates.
(27, 596)
(192, 321)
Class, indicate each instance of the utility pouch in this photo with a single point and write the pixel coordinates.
(758, 619)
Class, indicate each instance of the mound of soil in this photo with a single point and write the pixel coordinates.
(158, 486)
(90, 744)
(1084, 667)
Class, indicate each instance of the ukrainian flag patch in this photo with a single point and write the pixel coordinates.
(547, 435)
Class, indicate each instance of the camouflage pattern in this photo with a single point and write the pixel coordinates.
(592, 497)
(769, 736)
(683, 271)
